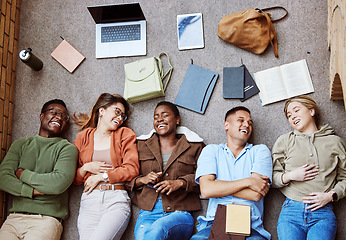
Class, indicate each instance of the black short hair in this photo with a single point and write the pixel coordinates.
(235, 109)
(172, 106)
(53, 101)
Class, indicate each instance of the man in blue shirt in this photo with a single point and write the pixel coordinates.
(235, 173)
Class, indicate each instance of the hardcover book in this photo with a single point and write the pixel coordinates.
(250, 87)
(238, 219)
(67, 56)
(233, 82)
(218, 229)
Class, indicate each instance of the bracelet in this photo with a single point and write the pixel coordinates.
(282, 179)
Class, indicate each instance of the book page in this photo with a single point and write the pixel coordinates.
(297, 78)
(270, 83)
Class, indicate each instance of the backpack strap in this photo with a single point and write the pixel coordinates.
(169, 71)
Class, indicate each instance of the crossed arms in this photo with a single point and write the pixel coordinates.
(17, 179)
(252, 188)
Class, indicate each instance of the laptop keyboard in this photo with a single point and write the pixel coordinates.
(121, 33)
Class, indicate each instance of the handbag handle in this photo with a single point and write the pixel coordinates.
(169, 71)
(274, 41)
(272, 8)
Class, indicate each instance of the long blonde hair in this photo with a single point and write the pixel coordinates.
(104, 101)
(307, 102)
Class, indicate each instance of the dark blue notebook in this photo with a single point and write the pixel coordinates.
(233, 82)
(250, 87)
(196, 89)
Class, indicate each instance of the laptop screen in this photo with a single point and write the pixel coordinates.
(117, 13)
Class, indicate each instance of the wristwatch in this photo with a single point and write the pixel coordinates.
(334, 196)
(105, 176)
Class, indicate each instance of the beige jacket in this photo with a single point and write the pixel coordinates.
(322, 148)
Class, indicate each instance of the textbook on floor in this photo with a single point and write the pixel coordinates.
(68, 56)
(283, 82)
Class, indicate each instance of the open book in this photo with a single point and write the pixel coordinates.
(283, 82)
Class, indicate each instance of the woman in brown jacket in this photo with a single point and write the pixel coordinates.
(165, 189)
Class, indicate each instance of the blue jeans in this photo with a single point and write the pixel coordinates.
(295, 222)
(158, 225)
(203, 234)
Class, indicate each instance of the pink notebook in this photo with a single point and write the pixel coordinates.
(67, 56)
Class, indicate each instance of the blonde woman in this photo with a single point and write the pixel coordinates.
(310, 170)
(107, 158)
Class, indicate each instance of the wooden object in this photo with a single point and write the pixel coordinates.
(9, 31)
(337, 47)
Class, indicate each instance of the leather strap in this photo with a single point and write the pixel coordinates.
(275, 8)
(169, 72)
(271, 29)
(107, 186)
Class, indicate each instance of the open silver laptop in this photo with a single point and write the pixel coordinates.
(120, 30)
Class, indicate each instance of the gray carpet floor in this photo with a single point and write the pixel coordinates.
(302, 35)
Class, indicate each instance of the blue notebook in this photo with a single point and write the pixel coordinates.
(196, 89)
(233, 82)
(250, 87)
